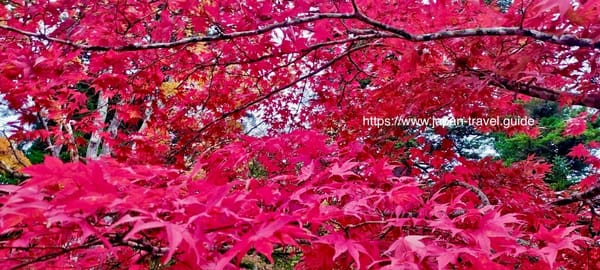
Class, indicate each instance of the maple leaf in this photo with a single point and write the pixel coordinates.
(140, 226)
(445, 223)
(263, 238)
(579, 151)
(407, 245)
(306, 172)
(588, 182)
(491, 224)
(343, 245)
(343, 170)
(563, 6)
(556, 239)
(576, 126)
(452, 255)
(174, 237)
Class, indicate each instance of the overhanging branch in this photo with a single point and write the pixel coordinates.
(532, 90)
(579, 196)
(565, 39)
(394, 32)
(183, 41)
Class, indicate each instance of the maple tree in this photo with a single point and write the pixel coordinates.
(145, 100)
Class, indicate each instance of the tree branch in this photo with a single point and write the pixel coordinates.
(579, 196)
(52, 255)
(183, 41)
(587, 100)
(482, 197)
(565, 39)
(114, 240)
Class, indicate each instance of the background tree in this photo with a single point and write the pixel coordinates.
(551, 144)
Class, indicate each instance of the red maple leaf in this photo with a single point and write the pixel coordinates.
(555, 240)
(343, 170)
(576, 126)
(579, 151)
(343, 245)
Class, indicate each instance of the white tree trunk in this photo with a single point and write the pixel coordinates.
(112, 130)
(54, 149)
(95, 140)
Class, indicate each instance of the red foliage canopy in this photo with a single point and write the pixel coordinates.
(151, 101)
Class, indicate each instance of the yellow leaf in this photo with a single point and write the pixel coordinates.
(169, 88)
(11, 159)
